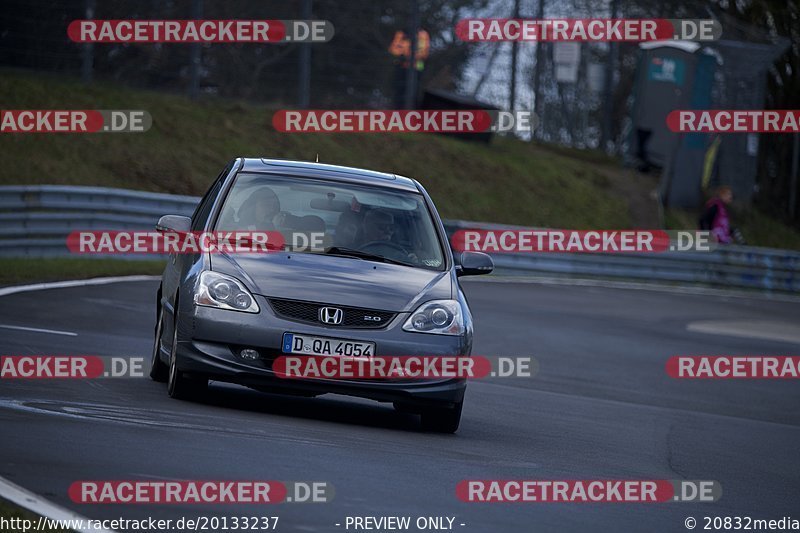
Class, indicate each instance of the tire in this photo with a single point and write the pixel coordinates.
(179, 385)
(442, 419)
(158, 370)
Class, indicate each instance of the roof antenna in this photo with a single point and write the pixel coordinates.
(317, 161)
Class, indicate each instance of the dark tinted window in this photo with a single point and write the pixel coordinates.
(207, 202)
(380, 221)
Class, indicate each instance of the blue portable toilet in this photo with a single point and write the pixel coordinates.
(672, 75)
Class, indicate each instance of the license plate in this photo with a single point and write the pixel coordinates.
(309, 345)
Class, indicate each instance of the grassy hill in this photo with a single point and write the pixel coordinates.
(509, 181)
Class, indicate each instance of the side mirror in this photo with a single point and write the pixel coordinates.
(174, 223)
(474, 264)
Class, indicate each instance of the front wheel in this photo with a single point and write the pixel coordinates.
(442, 419)
(158, 370)
(179, 385)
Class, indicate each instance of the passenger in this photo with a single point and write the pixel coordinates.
(260, 210)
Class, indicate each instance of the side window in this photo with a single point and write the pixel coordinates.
(201, 215)
(204, 208)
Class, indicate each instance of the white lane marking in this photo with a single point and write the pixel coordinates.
(33, 502)
(116, 414)
(149, 476)
(5, 291)
(751, 329)
(610, 284)
(39, 330)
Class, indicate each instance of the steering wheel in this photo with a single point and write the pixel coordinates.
(374, 247)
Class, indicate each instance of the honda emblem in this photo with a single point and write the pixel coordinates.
(331, 315)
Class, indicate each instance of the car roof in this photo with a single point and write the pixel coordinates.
(288, 167)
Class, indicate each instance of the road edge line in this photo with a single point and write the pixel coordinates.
(41, 506)
(14, 289)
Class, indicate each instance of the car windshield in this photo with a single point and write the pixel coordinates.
(326, 217)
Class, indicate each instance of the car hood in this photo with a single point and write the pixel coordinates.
(336, 280)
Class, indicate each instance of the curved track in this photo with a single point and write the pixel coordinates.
(601, 406)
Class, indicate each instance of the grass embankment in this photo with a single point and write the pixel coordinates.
(508, 181)
(20, 271)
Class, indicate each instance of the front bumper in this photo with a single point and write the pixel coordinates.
(209, 347)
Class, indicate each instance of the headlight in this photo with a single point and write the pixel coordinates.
(224, 292)
(438, 316)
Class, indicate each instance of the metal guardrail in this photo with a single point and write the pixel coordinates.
(730, 266)
(17, 198)
(35, 220)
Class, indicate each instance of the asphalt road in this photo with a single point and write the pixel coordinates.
(600, 407)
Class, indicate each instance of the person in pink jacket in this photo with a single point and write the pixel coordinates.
(715, 216)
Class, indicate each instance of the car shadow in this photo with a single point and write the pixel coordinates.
(327, 408)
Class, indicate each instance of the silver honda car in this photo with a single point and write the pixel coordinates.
(381, 281)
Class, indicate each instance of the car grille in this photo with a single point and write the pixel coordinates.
(354, 317)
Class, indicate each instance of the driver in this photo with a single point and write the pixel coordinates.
(378, 226)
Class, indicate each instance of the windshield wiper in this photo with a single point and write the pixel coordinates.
(352, 252)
